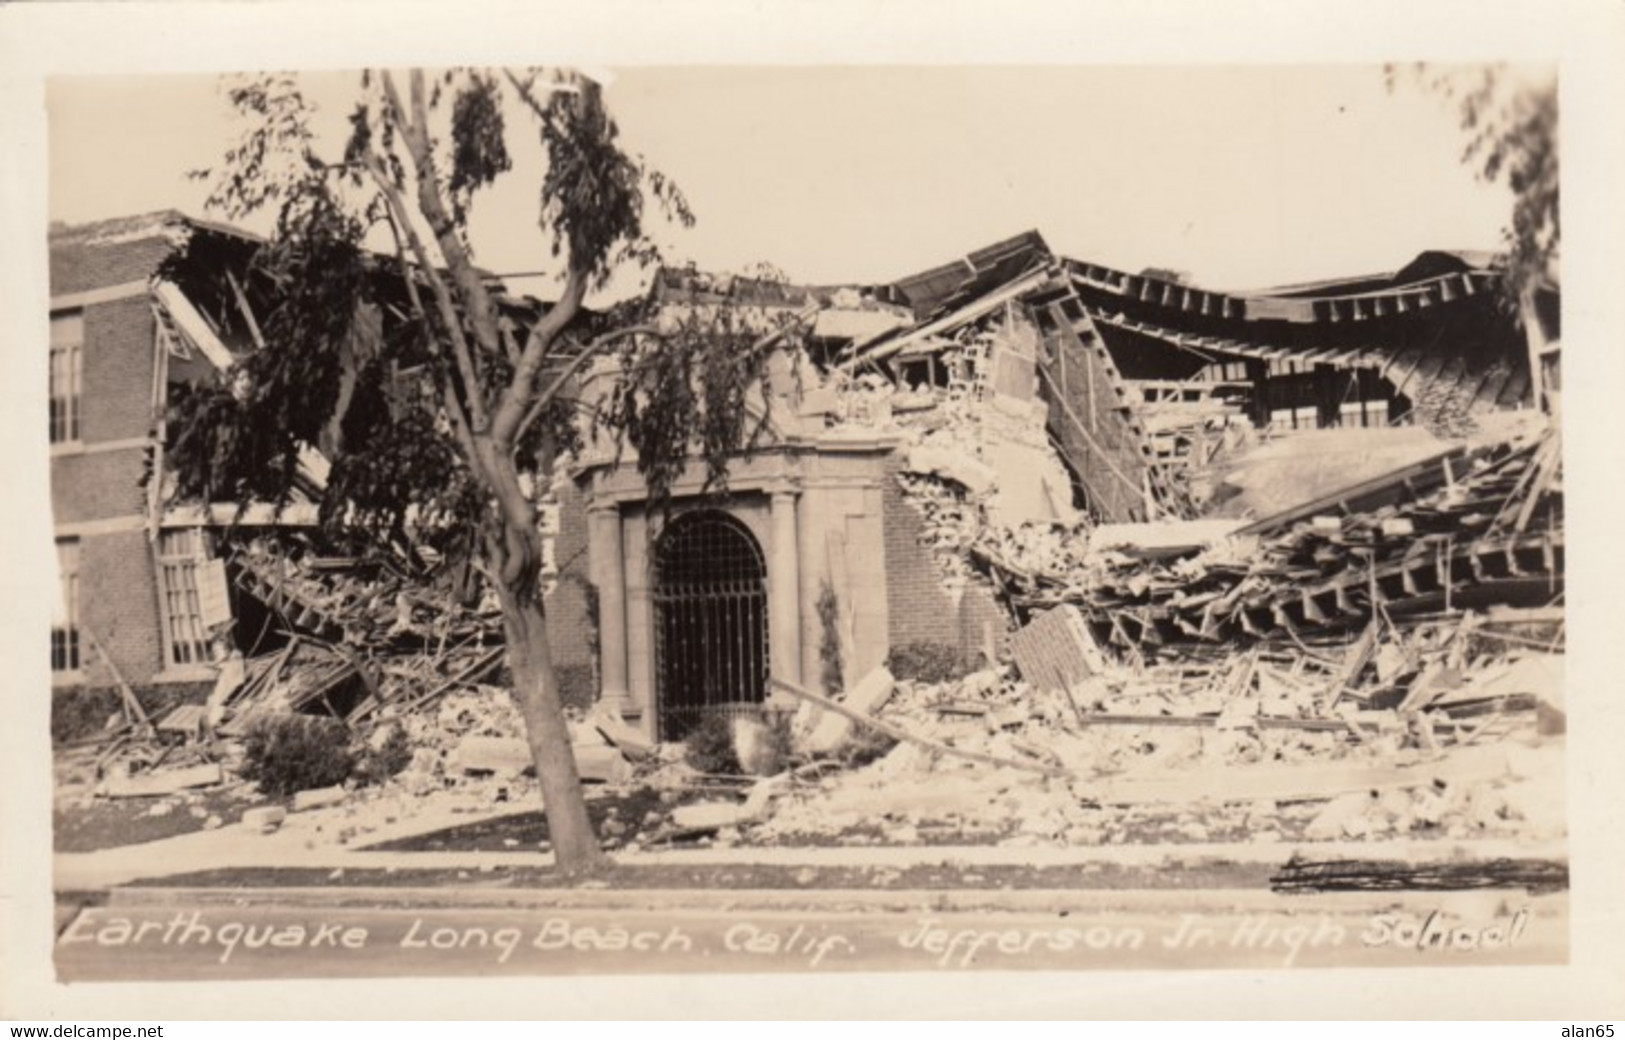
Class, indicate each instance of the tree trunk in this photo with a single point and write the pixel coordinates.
(535, 690)
(1535, 338)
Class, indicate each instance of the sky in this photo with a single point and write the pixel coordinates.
(1241, 176)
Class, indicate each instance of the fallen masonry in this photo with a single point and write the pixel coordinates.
(1249, 634)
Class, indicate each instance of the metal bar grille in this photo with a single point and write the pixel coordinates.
(710, 597)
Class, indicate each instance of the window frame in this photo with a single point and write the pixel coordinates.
(71, 351)
(185, 638)
(71, 651)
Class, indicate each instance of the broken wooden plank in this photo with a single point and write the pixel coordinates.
(1289, 783)
(169, 781)
(132, 704)
(1354, 662)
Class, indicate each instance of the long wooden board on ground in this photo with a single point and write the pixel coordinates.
(1285, 783)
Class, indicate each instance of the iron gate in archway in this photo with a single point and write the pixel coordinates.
(710, 605)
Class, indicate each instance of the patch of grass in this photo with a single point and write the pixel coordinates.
(110, 823)
(81, 712)
(616, 817)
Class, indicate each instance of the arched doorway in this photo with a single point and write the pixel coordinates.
(710, 607)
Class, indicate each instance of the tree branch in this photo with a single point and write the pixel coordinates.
(517, 400)
(476, 301)
(400, 221)
(589, 351)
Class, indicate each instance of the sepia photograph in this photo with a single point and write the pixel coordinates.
(718, 518)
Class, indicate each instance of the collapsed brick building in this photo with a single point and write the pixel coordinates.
(1048, 388)
(130, 606)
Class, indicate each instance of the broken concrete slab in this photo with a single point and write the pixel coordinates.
(977, 477)
(1170, 536)
(630, 741)
(1057, 651)
(505, 756)
(264, 819)
(597, 762)
(318, 798)
(823, 400)
(168, 781)
(706, 815)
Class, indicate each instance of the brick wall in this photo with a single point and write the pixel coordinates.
(118, 595)
(920, 610)
(92, 258)
(118, 370)
(1099, 440)
(569, 627)
(97, 486)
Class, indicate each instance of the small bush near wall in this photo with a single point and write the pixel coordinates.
(832, 668)
(709, 746)
(927, 662)
(81, 712)
(284, 754)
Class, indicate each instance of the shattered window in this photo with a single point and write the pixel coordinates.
(186, 641)
(1363, 413)
(67, 352)
(65, 619)
(1288, 420)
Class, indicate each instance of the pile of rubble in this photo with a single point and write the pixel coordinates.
(1439, 730)
(1385, 661)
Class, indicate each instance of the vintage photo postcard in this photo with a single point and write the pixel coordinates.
(525, 518)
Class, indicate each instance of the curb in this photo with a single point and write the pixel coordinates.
(1043, 901)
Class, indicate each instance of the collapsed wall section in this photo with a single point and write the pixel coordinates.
(922, 612)
(1092, 421)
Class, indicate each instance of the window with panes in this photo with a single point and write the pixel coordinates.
(67, 375)
(65, 619)
(186, 641)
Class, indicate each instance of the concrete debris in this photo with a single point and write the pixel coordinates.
(707, 815)
(168, 781)
(264, 819)
(318, 798)
(502, 756)
(870, 694)
(1383, 662)
(978, 478)
(1057, 651)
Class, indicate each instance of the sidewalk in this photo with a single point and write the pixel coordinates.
(301, 844)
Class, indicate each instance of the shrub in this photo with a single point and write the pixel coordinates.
(288, 753)
(927, 662)
(832, 668)
(709, 746)
(81, 712)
